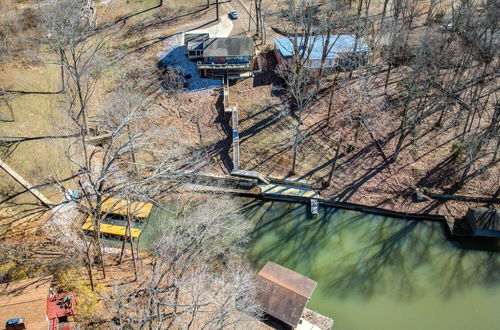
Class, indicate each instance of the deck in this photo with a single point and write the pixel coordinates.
(223, 66)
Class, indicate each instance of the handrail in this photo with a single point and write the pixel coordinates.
(223, 65)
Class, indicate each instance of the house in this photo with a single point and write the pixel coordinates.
(30, 304)
(343, 50)
(284, 294)
(484, 222)
(220, 57)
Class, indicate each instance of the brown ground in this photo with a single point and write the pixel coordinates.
(361, 174)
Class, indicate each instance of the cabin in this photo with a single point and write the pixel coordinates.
(230, 57)
(484, 222)
(284, 294)
(115, 223)
(344, 51)
(32, 304)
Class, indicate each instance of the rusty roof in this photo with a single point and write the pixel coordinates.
(283, 293)
(25, 299)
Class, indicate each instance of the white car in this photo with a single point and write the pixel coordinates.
(233, 14)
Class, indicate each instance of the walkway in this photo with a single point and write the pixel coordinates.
(286, 190)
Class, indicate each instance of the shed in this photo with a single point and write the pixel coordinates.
(283, 293)
(27, 300)
(484, 222)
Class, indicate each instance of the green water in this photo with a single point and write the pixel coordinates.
(375, 272)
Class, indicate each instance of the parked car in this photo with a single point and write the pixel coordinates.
(233, 14)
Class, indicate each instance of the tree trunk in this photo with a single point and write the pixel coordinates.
(329, 108)
(334, 164)
(387, 76)
(295, 147)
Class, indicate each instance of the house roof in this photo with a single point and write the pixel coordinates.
(27, 300)
(238, 46)
(337, 44)
(484, 222)
(283, 293)
(195, 40)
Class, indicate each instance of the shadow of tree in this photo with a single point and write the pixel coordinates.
(352, 254)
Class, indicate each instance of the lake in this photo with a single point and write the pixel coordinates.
(375, 272)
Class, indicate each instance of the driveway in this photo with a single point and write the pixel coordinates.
(220, 30)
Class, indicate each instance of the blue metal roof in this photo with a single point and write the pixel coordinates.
(341, 44)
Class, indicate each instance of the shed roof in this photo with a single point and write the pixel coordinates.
(484, 222)
(25, 299)
(284, 293)
(337, 44)
(234, 46)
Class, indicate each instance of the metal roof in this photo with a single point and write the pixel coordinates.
(228, 47)
(341, 44)
(283, 293)
(484, 222)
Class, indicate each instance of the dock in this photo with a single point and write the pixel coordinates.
(232, 107)
(275, 189)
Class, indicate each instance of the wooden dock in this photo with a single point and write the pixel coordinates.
(232, 107)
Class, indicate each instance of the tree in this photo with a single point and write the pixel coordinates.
(67, 25)
(193, 278)
(296, 71)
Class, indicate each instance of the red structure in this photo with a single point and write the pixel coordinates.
(59, 307)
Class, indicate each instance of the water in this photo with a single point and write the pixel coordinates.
(375, 272)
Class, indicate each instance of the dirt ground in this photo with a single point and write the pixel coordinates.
(142, 32)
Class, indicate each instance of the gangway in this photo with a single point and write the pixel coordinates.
(232, 107)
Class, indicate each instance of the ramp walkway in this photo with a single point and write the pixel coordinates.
(232, 107)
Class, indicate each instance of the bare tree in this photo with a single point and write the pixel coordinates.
(296, 71)
(181, 286)
(67, 25)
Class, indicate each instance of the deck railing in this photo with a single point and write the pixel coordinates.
(223, 66)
